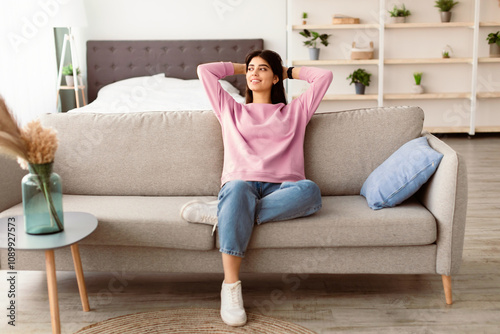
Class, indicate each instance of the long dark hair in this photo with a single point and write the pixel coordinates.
(274, 60)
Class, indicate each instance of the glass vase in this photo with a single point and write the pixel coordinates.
(42, 200)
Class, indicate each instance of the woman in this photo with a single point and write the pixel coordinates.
(263, 176)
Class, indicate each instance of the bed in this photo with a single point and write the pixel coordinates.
(158, 75)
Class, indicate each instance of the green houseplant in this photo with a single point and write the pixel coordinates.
(445, 7)
(417, 87)
(360, 78)
(312, 41)
(304, 18)
(494, 42)
(418, 77)
(447, 51)
(398, 15)
(67, 71)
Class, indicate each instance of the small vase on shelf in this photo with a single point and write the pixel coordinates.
(494, 50)
(417, 89)
(360, 88)
(494, 43)
(397, 19)
(42, 200)
(313, 53)
(445, 17)
(70, 82)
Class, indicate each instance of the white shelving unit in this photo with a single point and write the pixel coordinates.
(473, 95)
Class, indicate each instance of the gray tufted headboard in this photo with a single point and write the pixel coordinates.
(110, 61)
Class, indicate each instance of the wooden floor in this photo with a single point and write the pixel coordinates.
(322, 303)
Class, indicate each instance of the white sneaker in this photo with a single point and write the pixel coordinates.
(199, 211)
(232, 311)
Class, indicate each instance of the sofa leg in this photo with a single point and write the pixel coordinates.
(447, 289)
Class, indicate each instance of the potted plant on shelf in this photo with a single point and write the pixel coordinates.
(494, 42)
(447, 51)
(312, 42)
(68, 73)
(361, 79)
(417, 87)
(398, 15)
(445, 7)
(304, 18)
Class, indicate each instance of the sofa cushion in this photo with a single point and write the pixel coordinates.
(342, 221)
(137, 221)
(348, 221)
(401, 175)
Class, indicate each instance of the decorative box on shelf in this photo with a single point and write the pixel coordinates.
(343, 19)
(361, 53)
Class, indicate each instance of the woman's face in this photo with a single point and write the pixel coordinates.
(260, 77)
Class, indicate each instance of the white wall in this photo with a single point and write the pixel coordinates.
(192, 19)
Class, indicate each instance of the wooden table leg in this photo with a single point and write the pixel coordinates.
(50, 266)
(75, 251)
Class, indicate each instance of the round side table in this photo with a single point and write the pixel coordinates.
(77, 226)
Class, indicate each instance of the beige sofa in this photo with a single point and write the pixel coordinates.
(135, 171)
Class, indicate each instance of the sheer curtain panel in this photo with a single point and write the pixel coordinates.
(27, 56)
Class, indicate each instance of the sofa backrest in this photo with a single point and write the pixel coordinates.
(181, 153)
(343, 148)
(145, 153)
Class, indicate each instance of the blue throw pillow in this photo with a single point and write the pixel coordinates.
(401, 175)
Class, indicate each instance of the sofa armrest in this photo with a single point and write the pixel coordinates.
(445, 196)
(10, 183)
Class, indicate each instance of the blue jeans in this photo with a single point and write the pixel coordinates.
(242, 203)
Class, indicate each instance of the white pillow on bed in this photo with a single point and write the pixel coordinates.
(154, 93)
(228, 87)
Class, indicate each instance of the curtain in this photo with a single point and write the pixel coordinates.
(28, 72)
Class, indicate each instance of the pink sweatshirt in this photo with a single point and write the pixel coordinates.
(263, 142)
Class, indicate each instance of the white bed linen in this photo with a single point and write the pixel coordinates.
(154, 93)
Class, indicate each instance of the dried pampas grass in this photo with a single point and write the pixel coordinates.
(11, 143)
(32, 144)
(41, 143)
